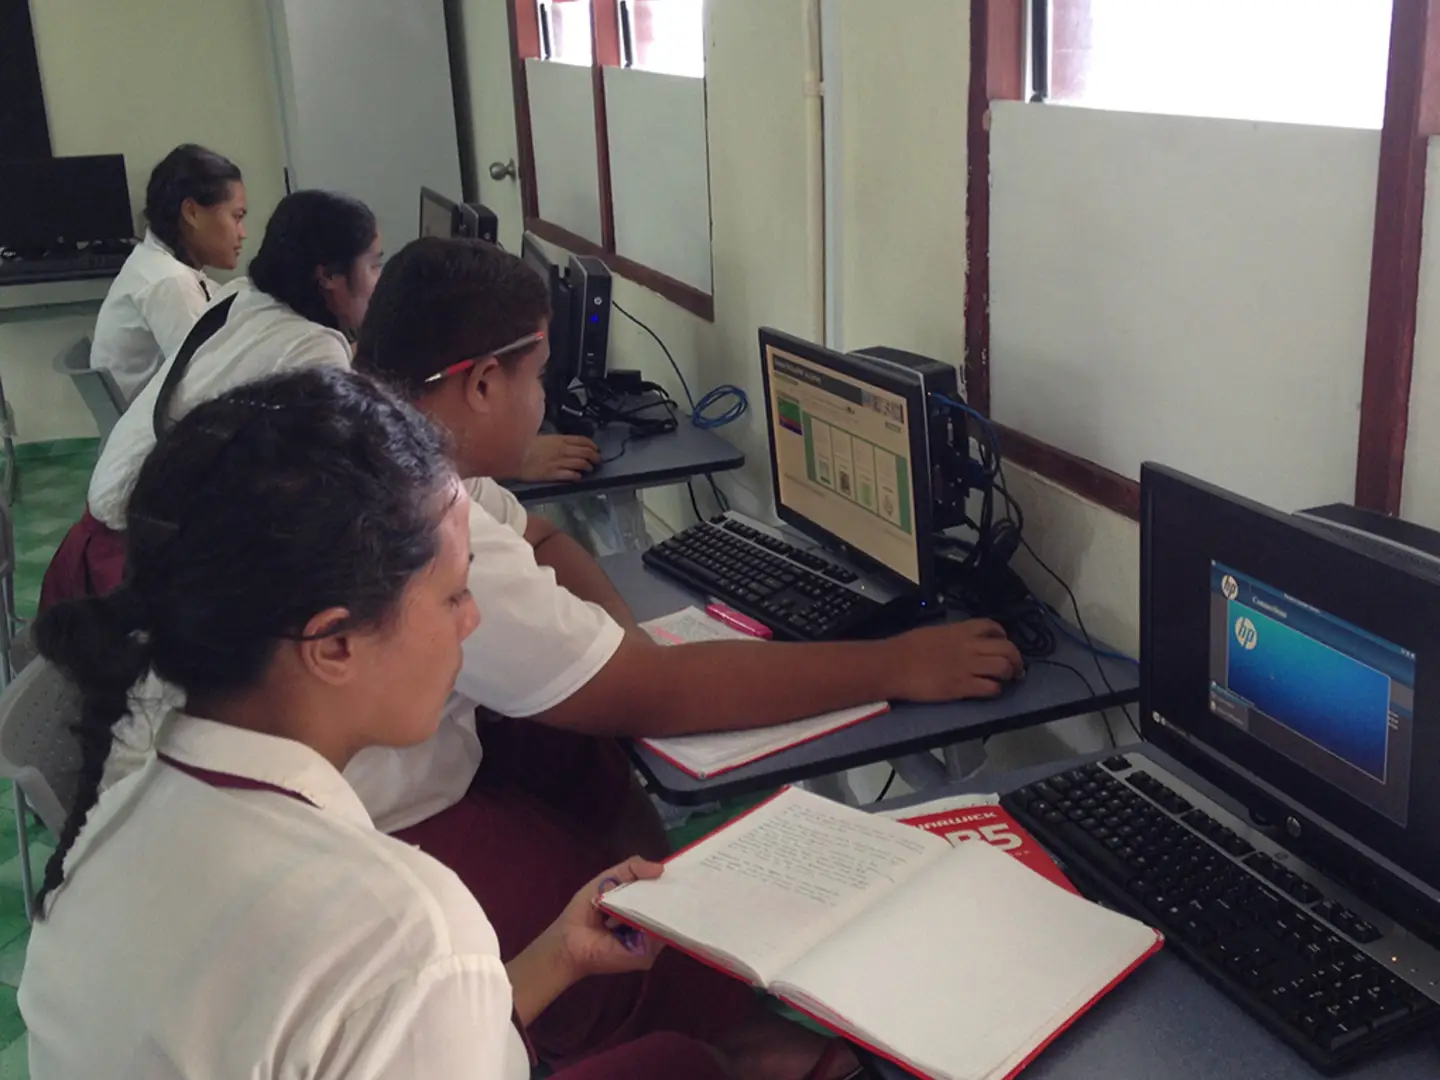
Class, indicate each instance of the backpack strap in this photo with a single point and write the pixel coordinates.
(206, 327)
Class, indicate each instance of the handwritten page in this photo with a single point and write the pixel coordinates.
(775, 883)
(703, 756)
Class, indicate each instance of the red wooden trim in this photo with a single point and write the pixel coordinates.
(1430, 87)
(1395, 262)
(1085, 478)
(524, 44)
(977, 205)
(605, 39)
(1004, 49)
(688, 297)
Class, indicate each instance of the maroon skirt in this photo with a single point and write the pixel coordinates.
(89, 562)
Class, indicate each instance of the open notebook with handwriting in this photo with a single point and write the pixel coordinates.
(957, 963)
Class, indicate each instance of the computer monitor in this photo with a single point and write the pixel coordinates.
(440, 216)
(58, 202)
(849, 454)
(1300, 670)
(563, 367)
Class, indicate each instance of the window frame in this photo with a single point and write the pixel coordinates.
(606, 52)
(999, 51)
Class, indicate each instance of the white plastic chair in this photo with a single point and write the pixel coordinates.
(39, 753)
(97, 387)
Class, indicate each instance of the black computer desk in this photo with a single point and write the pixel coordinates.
(1047, 693)
(1165, 1022)
(629, 464)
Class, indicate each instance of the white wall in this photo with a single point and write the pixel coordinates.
(764, 160)
(1190, 290)
(903, 91)
(1421, 501)
(137, 77)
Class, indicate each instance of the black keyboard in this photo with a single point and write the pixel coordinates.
(1237, 914)
(796, 593)
(61, 267)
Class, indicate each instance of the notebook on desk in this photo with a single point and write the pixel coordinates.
(704, 756)
(957, 963)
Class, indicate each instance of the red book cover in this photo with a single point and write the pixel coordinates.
(997, 828)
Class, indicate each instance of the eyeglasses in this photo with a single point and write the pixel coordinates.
(519, 345)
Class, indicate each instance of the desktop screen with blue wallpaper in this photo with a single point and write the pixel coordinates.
(1325, 693)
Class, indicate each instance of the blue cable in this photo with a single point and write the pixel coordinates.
(738, 407)
(740, 401)
(970, 410)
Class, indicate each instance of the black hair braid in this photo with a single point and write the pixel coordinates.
(310, 230)
(187, 172)
(98, 643)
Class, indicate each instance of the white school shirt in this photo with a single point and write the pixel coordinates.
(261, 337)
(236, 934)
(152, 304)
(535, 646)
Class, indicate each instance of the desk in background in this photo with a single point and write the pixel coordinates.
(1047, 693)
(1165, 1022)
(27, 303)
(630, 464)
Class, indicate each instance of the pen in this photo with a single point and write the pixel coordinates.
(628, 936)
(724, 613)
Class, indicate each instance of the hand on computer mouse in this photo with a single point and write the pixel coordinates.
(958, 660)
(559, 457)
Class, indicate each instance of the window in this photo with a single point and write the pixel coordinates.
(664, 36)
(610, 104)
(565, 31)
(1297, 61)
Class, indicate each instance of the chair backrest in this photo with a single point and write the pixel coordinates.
(97, 387)
(38, 748)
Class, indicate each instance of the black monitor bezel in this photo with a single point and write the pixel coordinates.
(896, 380)
(563, 366)
(1335, 829)
(457, 221)
(72, 171)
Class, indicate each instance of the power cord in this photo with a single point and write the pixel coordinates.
(702, 413)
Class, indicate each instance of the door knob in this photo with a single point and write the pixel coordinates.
(499, 171)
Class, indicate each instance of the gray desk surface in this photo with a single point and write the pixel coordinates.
(1166, 1022)
(646, 462)
(1047, 693)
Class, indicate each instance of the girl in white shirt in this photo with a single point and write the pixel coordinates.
(299, 559)
(308, 289)
(195, 213)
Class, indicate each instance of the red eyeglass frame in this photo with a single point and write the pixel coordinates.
(517, 345)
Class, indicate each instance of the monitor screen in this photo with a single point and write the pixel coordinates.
(437, 214)
(843, 457)
(1331, 697)
(48, 201)
(1295, 668)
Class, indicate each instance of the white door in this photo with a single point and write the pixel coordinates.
(367, 103)
(485, 33)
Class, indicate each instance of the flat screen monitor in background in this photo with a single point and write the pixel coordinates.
(562, 368)
(53, 204)
(440, 216)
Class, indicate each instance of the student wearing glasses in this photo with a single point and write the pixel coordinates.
(298, 569)
(307, 291)
(559, 669)
(195, 217)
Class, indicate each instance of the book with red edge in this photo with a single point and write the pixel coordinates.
(955, 963)
(991, 824)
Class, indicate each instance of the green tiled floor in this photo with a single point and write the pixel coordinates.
(53, 479)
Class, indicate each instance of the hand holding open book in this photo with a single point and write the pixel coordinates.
(956, 963)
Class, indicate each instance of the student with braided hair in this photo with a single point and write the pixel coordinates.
(298, 568)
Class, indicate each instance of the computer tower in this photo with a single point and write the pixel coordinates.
(946, 434)
(590, 302)
(484, 221)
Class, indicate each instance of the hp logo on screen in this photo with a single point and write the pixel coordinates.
(1245, 633)
(1229, 587)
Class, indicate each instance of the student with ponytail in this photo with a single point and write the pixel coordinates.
(298, 558)
(307, 292)
(195, 217)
